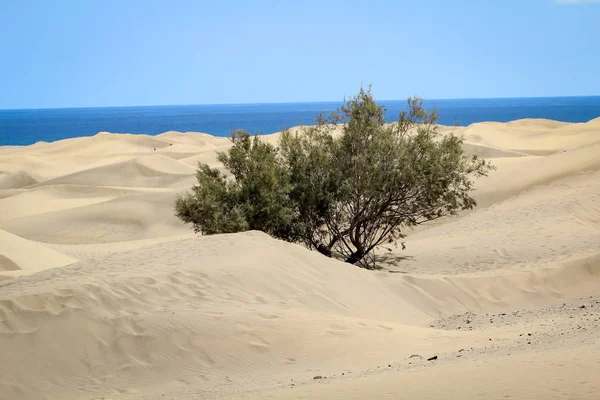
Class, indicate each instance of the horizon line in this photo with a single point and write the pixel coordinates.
(290, 102)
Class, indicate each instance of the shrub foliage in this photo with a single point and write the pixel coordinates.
(345, 186)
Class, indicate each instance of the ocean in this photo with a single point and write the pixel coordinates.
(24, 127)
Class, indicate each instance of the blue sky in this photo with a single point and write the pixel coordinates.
(80, 53)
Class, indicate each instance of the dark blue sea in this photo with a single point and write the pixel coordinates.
(23, 127)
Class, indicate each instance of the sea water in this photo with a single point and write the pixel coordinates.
(23, 127)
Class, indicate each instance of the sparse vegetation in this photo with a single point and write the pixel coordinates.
(344, 186)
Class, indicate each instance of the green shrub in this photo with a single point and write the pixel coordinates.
(344, 186)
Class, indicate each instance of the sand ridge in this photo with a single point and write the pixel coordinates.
(105, 294)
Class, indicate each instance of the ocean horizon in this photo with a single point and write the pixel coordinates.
(29, 126)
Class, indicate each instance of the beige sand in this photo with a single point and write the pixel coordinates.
(104, 294)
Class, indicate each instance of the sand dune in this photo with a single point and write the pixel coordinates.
(537, 171)
(148, 171)
(51, 198)
(534, 136)
(192, 311)
(71, 156)
(20, 256)
(562, 371)
(495, 237)
(103, 143)
(489, 152)
(106, 295)
(16, 180)
(131, 217)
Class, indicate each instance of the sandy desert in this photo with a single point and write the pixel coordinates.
(105, 294)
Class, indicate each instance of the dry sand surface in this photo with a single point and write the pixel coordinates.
(104, 294)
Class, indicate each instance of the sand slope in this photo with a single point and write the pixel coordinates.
(562, 371)
(19, 256)
(148, 171)
(16, 180)
(106, 295)
(192, 311)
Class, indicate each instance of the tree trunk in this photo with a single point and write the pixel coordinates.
(326, 250)
(321, 248)
(355, 257)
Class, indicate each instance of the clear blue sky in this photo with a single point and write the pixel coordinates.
(79, 53)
